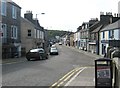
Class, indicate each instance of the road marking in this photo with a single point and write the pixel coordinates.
(75, 76)
(71, 74)
(67, 74)
(63, 77)
(66, 77)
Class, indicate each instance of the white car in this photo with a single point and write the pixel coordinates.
(60, 43)
(53, 51)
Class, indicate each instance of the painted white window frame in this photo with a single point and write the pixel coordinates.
(42, 35)
(14, 32)
(3, 7)
(14, 12)
(37, 33)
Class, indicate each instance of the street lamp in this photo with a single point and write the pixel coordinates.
(40, 13)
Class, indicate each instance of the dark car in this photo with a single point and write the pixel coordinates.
(36, 54)
(53, 51)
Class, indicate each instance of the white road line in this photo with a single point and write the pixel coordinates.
(67, 84)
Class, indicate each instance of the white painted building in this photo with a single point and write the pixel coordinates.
(110, 32)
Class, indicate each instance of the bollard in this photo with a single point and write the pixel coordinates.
(115, 55)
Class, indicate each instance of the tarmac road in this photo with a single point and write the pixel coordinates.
(46, 72)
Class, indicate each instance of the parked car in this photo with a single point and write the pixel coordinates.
(53, 51)
(36, 54)
(60, 43)
(53, 45)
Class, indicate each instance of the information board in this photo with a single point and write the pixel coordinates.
(103, 72)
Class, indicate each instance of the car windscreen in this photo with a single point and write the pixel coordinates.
(34, 50)
(37, 50)
(41, 51)
(54, 49)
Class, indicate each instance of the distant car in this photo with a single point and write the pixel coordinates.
(53, 46)
(60, 43)
(53, 51)
(36, 54)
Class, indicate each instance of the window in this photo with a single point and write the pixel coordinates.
(3, 7)
(86, 26)
(14, 12)
(14, 32)
(103, 34)
(111, 33)
(35, 33)
(4, 31)
(38, 33)
(42, 35)
(29, 33)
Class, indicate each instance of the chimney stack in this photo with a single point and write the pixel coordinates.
(28, 15)
(119, 8)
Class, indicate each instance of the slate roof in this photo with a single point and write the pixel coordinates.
(112, 26)
(13, 3)
(97, 29)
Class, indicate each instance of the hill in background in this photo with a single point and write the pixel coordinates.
(53, 33)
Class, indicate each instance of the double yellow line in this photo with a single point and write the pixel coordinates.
(65, 78)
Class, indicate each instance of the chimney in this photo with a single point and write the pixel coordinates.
(28, 15)
(119, 7)
(111, 20)
(106, 19)
(114, 14)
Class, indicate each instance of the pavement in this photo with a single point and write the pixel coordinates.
(82, 78)
(12, 60)
(85, 77)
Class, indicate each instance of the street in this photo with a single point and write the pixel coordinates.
(45, 72)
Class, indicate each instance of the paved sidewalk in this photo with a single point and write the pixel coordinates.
(85, 78)
(9, 60)
(86, 52)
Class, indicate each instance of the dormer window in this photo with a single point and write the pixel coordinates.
(14, 12)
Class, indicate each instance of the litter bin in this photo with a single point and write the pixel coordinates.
(103, 73)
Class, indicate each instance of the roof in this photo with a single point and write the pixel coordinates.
(13, 3)
(112, 26)
(40, 28)
(94, 26)
(97, 29)
(24, 19)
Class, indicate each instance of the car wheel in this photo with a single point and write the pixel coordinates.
(40, 58)
(46, 57)
(28, 59)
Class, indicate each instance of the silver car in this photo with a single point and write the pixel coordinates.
(53, 51)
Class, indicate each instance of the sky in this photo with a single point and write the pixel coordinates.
(66, 15)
